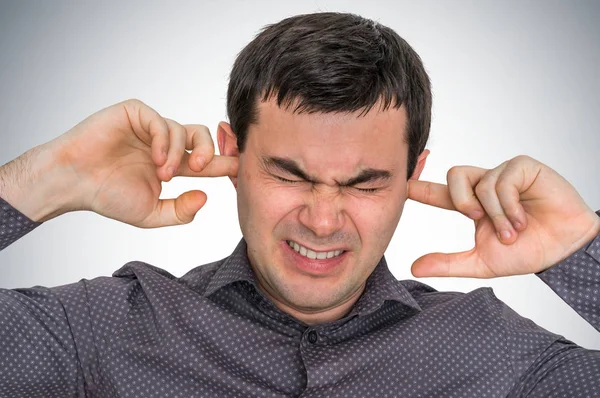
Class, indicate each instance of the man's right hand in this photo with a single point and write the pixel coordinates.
(113, 163)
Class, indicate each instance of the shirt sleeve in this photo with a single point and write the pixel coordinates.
(564, 369)
(13, 224)
(51, 338)
(545, 364)
(576, 280)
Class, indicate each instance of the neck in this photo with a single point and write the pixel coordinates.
(314, 316)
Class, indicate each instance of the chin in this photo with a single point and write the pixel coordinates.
(314, 296)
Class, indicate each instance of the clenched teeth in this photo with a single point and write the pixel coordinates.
(312, 254)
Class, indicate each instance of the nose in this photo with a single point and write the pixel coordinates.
(322, 214)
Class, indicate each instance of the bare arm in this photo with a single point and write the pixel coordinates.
(113, 163)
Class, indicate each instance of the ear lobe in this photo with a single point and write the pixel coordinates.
(227, 141)
(420, 164)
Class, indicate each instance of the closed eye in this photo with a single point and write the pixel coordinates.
(286, 180)
(368, 190)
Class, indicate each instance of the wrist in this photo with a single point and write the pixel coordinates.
(37, 185)
(595, 230)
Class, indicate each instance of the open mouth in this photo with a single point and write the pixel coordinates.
(303, 251)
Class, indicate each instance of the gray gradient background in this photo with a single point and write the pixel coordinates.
(509, 78)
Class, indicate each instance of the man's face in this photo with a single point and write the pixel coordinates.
(330, 186)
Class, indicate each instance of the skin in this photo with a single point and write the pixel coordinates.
(527, 217)
(114, 163)
(318, 211)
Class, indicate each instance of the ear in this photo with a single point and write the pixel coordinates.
(420, 164)
(227, 141)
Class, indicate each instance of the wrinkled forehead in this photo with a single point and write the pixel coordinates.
(332, 142)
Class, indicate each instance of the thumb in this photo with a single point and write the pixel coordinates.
(180, 210)
(462, 264)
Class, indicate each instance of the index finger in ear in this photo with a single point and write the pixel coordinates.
(219, 166)
(200, 142)
(430, 193)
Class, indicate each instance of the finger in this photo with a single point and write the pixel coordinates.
(461, 183)
(511, 183)
(149, 127)
(430, 193)
(200, 142)
(464, 264)
(219, 166)
(181, 210)
(177, 138)
(488, 197)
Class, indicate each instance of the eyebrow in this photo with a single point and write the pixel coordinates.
(291, 167)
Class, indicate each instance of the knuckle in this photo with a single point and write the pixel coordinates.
(427, 192)
(512, 211)
(521, 159)
(464, 205)
(133, 102)
(503, 184)
(178, 217)
(198, 130)
(203, 129)
(498, 219)
(487, 183)
(209, 146)
(178, 128)
(200, 134)
(454, 172)
(482, 189)
(179, 211)
(208, 138)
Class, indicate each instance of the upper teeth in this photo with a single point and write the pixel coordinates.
(312, 254)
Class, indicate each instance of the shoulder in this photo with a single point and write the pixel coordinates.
(149, 275)
(481, 315)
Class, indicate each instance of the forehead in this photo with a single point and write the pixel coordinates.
(283, 123)
(331, 141)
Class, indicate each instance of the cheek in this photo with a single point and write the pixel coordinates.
(265, 203)
(377, 218)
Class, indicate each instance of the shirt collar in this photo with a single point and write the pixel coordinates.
(235, 268)
(381, 285)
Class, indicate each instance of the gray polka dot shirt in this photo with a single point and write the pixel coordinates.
(211, 333)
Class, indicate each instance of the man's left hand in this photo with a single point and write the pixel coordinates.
(527, 218)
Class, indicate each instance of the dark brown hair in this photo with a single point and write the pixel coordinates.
(331, 62)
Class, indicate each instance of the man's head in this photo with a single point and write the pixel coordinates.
(330, 115)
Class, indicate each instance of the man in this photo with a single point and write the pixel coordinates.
(329, 117)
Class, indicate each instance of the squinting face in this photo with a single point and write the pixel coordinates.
(319, 197)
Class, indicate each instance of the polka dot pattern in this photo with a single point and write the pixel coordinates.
(13, 224)
(212, 333)
(565, 371)
(577, 281)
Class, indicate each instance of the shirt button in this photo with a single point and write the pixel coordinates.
(312, 337)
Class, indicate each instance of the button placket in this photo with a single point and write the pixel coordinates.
(312, 337)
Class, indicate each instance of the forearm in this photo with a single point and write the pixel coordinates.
(34, 184)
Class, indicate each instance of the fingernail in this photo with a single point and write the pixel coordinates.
(505, 234)
(171, 171)
(164, 153)
(200, 161)
(517, 225)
